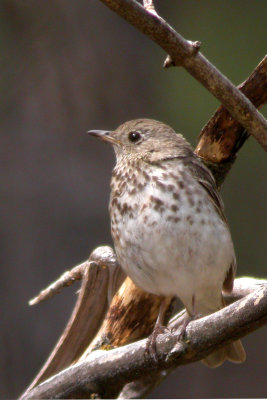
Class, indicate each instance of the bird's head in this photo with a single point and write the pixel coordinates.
(145, 138)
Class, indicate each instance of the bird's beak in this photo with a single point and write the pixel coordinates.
(104, 135)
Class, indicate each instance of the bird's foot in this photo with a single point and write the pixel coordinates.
(151, 345)
(185, 323)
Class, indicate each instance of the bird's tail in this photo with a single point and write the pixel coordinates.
(233, 352)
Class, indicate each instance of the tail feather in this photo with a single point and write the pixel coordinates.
(233, 352)
(236, 352)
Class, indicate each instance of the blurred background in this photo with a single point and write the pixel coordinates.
(69, 66)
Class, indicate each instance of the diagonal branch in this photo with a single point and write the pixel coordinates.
(186, 54)
(95, 376)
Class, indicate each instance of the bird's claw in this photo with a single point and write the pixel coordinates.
(151, 344)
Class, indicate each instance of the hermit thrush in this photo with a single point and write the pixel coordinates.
(167, 221)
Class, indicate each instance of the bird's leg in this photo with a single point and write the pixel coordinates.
(190, 317)
(159, 328)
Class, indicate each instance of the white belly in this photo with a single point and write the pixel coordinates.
(175, 249)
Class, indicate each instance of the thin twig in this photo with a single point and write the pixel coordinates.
(96, 375)
(103, 255)
(185, 53)
(65, 280)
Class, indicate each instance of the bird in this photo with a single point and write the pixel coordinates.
(170, 232)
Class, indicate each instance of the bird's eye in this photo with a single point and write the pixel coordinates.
(134, 136)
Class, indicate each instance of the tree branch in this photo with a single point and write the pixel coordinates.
(185, 53)
(96, 375)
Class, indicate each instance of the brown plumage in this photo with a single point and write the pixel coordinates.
(168, 224)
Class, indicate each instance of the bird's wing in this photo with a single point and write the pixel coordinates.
(205, 178)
